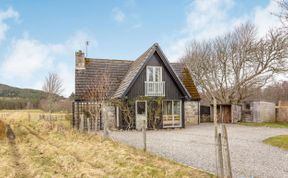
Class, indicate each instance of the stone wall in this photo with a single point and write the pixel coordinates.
(191, 112)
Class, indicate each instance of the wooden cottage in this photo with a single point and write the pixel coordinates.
(148, 88)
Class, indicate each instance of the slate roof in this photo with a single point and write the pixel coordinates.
(95, 69)
(123, 72)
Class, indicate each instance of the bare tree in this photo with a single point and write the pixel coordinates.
(229, 67)
(274, 92)
(53, 86)
(96, 95)
(283, 14)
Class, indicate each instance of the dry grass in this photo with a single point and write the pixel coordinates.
(2, 130)
(52, 149)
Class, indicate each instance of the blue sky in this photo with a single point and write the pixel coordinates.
(37, 37)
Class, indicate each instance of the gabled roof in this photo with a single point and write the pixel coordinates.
(137, 67)
(123, 74)
(133, 71)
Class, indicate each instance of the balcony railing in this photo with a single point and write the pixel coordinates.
(154, 88)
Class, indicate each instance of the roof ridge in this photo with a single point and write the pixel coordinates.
(102, 59)
(135, 66)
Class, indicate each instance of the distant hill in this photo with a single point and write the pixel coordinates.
(14, 92)
(20, 98)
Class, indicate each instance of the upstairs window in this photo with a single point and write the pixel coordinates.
(154, 74)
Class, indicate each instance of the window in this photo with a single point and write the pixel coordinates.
(171, 113)
(141, 107)
(154, 73)
(150, 74)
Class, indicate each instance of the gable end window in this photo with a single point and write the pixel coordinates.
(154, 74)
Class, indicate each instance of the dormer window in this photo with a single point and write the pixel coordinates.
(154, 73)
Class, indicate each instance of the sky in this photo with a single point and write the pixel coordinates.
(38, 37)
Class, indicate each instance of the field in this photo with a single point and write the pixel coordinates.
(280, 141)
(266, 124)
(45, 148)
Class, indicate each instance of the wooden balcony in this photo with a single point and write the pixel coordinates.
(154, 88)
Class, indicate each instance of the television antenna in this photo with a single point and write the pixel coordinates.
(86, 45)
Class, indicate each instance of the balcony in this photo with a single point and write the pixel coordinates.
(154, 88)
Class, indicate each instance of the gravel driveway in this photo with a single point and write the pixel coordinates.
(193, 146)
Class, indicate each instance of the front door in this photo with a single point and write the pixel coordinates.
(141, 114)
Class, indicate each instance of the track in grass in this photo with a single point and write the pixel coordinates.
(18, 164)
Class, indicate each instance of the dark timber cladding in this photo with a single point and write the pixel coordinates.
(171, 89)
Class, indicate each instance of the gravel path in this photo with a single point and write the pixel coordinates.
(193, 146)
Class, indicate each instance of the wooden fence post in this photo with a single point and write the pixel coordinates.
(81, 126)
(220, 156)
(96, 122)
(88, 124)
(215, 134)
(105, 123)
(226, 151)
(144, 134)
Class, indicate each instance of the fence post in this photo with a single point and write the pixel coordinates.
(144, 135)
(105, 123)
(227, 151)
(215, 134)
(220, 155)
(88, 124)
(81, 126)
(96, 116)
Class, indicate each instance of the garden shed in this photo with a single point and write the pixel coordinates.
(227, 113)
(258, 111)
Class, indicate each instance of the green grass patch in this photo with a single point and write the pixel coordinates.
(266, 124)
(280, 141)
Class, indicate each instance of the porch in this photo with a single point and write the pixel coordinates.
(164, 114)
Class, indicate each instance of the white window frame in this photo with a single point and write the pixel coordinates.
(173, 126)
(153, 73)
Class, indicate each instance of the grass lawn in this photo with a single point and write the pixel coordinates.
(52, 149)
(280, 141)
(266, 124)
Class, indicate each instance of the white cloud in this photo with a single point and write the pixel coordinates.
(10, 13)
(264, 19)
(204, 20)
(118, 15)
(210, 18)
(30, 60)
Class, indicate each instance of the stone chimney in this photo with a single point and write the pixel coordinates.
(80, 60)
